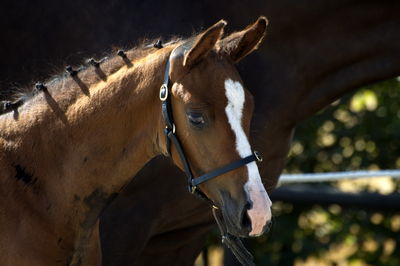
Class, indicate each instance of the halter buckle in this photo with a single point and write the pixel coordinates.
(258, 156)
(163, 92)
(168, 129)
(193, 189)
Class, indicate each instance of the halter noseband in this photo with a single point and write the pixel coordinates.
(170, 134)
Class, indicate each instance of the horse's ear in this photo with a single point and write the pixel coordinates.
(204, 43)
(240, 44)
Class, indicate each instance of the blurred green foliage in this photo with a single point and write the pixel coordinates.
(359, 131)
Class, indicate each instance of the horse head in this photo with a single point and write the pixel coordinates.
(212, 112)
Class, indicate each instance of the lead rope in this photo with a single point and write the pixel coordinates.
(233, 242)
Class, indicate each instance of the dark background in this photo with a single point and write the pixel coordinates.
(39, 38)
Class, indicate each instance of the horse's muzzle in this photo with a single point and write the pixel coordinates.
(237, 218)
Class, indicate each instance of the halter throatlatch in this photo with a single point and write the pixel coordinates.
(228, 239)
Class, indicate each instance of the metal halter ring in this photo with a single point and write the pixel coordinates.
(258, 156)
(163, 92)
(173, 128)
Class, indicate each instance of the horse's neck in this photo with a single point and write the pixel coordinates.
(326, 57)
(311, 63)
(78, 153)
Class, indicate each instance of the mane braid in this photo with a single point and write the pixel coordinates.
(93, 71)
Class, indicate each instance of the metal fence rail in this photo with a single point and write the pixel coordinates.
(335, 176)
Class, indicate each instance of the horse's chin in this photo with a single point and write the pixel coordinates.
(237, 225)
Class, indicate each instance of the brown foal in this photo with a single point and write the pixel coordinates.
(68, 148)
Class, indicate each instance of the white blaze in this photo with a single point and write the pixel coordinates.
(260, 213)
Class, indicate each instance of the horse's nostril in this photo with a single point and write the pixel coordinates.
(248, 205)
(246, 222)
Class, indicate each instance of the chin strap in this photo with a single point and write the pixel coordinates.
(233, 242)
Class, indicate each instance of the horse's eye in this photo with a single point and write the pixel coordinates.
(196, 119)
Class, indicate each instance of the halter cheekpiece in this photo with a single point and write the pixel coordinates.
(170, 135)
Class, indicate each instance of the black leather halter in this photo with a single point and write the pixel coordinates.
(170, 134)
(233, 242)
